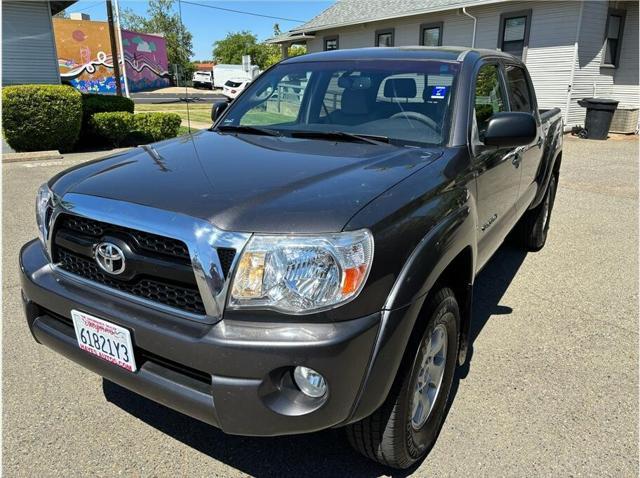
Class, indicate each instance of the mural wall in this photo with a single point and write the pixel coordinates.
(84, 57)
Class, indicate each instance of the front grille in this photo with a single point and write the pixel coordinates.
(160, 270)
(143, 240)
(164, 292)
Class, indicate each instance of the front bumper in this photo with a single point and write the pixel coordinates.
(235, 375)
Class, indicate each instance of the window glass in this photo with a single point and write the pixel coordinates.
(513, 35)
(613, 40)
(518, 88)
(407, 102)
(385, 39)
(331, 44)
(431, 36)
(409, 91)
(282, 101)
(489, 98)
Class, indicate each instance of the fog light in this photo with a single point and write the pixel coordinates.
(310, 382)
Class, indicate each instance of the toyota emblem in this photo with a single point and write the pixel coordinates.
(110, 258)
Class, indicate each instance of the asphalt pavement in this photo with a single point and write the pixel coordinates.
(177, 95)
(551, 388)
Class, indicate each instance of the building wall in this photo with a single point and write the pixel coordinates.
(85, 61)
(28, 46)
(146, 57)
(551, 55)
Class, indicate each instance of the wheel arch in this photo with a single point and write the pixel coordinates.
(449, 255)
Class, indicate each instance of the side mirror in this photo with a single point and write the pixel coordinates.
(217, 109)
(511, 129)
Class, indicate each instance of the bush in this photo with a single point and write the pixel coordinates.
(122, 127)
(157, 126)
(115, 127)
(92, 103)
(41, 117)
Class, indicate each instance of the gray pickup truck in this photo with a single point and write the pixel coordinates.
(309, 261)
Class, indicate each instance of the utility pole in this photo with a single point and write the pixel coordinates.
(114, 48)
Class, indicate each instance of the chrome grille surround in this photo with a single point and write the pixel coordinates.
(201, 237)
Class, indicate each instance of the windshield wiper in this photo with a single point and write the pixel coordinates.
(248, 129)
(341, 135)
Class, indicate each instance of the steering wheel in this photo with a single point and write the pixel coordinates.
(414, 115)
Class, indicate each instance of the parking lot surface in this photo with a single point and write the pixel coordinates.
(551, 387)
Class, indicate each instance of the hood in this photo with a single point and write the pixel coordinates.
(249, 183)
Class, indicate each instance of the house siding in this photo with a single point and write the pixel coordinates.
(591, 79)
(559, 73)
(28, 46)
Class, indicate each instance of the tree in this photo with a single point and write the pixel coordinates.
(231, 49)
(61, 14)
(162, 18)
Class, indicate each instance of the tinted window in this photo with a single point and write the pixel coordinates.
(519, 93)
(489, 97)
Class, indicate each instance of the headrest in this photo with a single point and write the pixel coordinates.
(355, 102)
(400, 88)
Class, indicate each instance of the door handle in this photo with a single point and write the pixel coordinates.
(517, 159)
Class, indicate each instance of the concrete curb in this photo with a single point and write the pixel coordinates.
(31, 156)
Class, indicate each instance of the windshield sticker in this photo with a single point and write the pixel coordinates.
(439, 92)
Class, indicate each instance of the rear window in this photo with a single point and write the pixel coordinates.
(232, 84)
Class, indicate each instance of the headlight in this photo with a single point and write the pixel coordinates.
(44, 208)
(302, 274)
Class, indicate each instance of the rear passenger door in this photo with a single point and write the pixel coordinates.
(497, 176)
(522, 99)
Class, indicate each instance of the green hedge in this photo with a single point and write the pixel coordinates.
(41, 117)
(92, 104)
(120, 128)
(114, 127)
(158, 126)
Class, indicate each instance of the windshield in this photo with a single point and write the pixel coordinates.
(407, 102)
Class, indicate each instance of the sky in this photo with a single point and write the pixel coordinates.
(209, 25)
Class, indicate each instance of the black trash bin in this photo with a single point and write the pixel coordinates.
(599, 115)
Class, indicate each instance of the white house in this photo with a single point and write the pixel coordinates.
(573, 49)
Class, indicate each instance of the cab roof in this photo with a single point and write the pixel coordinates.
(446, 53)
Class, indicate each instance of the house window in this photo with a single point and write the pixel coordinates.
(513, 36)
(613, 39)
(431, 34)
(385, 37)
(331, 43)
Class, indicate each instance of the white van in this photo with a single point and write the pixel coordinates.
(223, 73)
(202, 79)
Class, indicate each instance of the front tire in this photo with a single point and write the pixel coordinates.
(404, 429)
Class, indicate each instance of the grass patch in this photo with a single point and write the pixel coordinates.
(197, 113)
(265, 118)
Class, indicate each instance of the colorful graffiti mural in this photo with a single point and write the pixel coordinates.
(85, 61)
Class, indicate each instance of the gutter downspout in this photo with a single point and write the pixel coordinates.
(573, 69)
(475, 22)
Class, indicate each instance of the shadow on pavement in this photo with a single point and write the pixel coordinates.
(325, 453)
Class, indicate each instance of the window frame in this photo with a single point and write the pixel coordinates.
(613, 12)
(385, 31)
(430, 26)
(473, 132)
(331, 38)
(527, 30)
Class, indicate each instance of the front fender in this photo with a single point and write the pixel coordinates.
(439, 247)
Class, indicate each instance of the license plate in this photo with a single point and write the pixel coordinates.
(105, 340)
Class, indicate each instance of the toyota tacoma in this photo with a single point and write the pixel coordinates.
(309, 261)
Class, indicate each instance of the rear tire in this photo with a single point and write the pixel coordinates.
(534, 225)
(396, 434)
